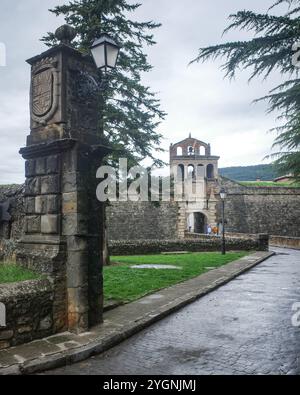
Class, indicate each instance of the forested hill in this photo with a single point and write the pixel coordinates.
(250, 173)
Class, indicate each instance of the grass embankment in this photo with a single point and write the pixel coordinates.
(270, 184)
(11, 273)
(123, 283)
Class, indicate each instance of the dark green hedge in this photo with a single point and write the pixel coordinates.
(141, 247)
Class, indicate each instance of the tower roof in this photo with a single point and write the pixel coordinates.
(191, 141)
(191, 147)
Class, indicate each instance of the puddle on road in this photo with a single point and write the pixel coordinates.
(158, 267)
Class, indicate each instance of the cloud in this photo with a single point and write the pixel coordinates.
(23, 23)
(196, 98)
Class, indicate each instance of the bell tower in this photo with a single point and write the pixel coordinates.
(195, 173)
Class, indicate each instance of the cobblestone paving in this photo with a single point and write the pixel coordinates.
(244, 327)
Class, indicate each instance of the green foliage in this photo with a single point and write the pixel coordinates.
(11, 273)
(123, 283)
(250, 173)
(270, 49)
(130, 111)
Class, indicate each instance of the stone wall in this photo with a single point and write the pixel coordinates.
(142, 221)
(274, 241)
(271, 210)
(249, 210)
(197, 244)
(13, 194)
(29, 312)
(285, 242)
(8, 249)
(10, 231)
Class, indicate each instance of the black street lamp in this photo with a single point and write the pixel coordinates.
(223, 196)
(105, 52)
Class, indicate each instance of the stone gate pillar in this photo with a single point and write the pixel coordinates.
(64, 221)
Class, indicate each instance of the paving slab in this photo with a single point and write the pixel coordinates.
(119, 323)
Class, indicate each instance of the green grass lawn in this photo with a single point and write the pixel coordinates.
(122, 283)
(10, 273)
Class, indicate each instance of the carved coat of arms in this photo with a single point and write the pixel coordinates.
(44, 85)
(42, 92)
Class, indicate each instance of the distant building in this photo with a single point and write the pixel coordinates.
(287, 178)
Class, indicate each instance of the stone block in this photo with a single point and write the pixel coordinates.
(77, 269)
(33, 224)
(40, 166)
(75, 202)
(30, 168)
(83, 322)
(46, 324)
(78, 322)
(49, 224)
(70, 203)
(69, 182)
(6, 335)
(52, 204)
(50, 185)
(78, 300)
(75, 224)
(40, 205)
(24, 329)
(77, 259)
(33, 186)
(69, 161)
(73, 182)
(76, 243)
(4, 344)
(30, 205)
(53, 164)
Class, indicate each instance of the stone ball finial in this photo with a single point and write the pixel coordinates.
(65, 34)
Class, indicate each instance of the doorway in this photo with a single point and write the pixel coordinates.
(200, 223)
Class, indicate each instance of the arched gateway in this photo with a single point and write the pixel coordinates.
(197, 223)
(200, 223)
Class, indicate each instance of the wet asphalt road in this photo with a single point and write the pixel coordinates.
(244, 327)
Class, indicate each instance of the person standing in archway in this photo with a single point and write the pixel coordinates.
(215, 230)
(209, 230)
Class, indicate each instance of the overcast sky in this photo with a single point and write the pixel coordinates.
(197, 99)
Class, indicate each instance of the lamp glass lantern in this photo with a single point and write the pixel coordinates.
(105, 52)
(223, 194)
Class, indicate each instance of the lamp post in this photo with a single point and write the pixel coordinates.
(105, 52)
(223, 196)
